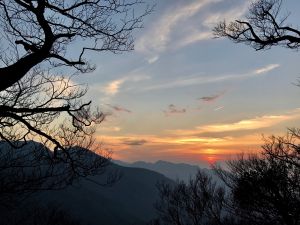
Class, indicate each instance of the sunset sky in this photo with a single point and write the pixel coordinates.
(184, 96)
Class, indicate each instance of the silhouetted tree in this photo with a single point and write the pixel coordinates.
(199, 202)
(40, 34)
(45, 31)
(286, 148)
(48, 109)
(255, 190)
(36, 103)
(263, 27)
(264, 190)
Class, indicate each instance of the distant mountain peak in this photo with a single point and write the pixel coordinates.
(174, 171)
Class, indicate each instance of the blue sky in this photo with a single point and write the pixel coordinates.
(182, 95)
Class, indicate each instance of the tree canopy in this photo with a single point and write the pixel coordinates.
(261, 189)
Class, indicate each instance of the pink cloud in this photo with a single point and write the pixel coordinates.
(119, 108)
(212, 98)
(172, 109)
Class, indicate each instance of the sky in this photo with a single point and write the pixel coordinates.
(184, 96)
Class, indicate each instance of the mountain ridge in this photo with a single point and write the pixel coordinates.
(174, 171)
(128, 201)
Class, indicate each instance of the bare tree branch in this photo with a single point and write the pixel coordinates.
(262, 29)
(45, 27)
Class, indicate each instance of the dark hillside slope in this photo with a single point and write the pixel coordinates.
(129, 201)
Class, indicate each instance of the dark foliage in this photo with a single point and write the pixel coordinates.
(199, 202)
(265, 189)
(285, 148)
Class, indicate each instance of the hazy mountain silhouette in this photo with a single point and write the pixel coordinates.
(174, 171)
(129, 201)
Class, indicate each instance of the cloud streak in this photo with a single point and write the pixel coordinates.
(159, 36)
(172, 109)
(135, 142)
(220, 140)
(219, 108)
(242, 125)
(119, 108)
(248, 124)
(113, 87)
(182, 26)
(109, 129)
(212, 98)
(266, 69)
(199, 80)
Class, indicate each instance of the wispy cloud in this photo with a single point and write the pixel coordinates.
(113, 87)
(193, 37)
(246, 124)
(109, 129)
(220, 140)
(118, 108)
(231, 14)
(219, 108)
(199, 80)
(203, 140)
(212, 98)
(185, 24)
(135, 142)
(172, 109)
(204, 31)
(162, 29)
(266, 69)
(153, 59)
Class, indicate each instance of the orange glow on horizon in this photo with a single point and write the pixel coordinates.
(210, 143)
(186, 149)
(211, 159)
